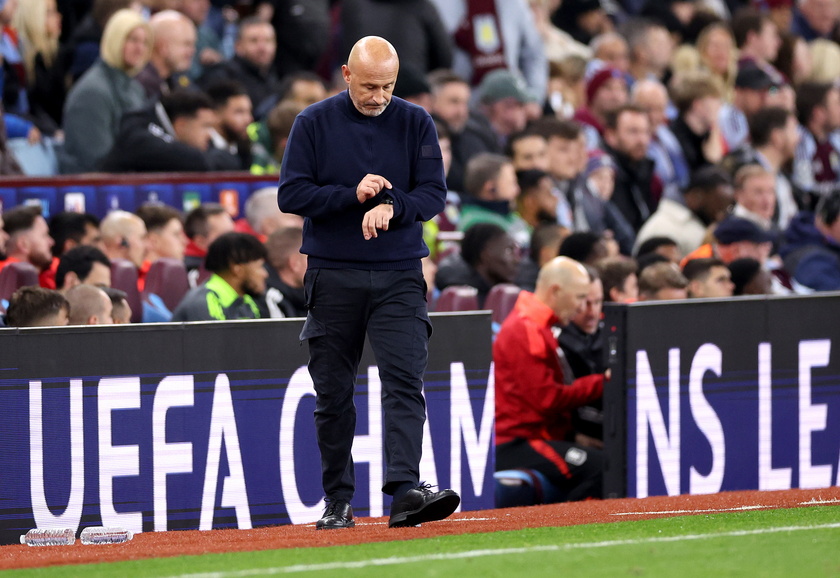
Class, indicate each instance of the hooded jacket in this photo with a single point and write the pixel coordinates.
(809, 257)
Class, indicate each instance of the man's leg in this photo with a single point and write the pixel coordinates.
(335, 329)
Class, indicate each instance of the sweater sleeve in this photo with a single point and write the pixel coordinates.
(298, 192)
(428, 197)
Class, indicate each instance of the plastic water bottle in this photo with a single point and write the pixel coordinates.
(103, 535)
(49, 537)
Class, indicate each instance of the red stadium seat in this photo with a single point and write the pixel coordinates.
(501, 299)
(16, 275)
(124, 277)
(458, 298)
(167, 278)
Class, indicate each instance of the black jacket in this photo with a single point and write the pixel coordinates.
(261, 86)
(146, 143)
(633, 193)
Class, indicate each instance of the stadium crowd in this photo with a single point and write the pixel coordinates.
(664, 149)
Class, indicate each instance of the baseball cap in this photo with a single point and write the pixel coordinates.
(754, 77)
(502, 83)
(735, 229)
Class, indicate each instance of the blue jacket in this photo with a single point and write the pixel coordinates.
(331, 148)
(809, 257)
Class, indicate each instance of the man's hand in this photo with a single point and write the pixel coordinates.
(370, 186)
(377, 218)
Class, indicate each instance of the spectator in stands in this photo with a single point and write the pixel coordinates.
(670, 164)
(606, 93)
(303, 36)
(697, 129)
(536, 204)
(651, 47)
(583, 19)
(811, 249)
(814, 19)
(237, 261)
(491, 191)
(664, 246)
(37, 307)
(489, 256)
(755, 196)
(661, 282)
(172, 135)
(756, 36)
(774, 133)
(707, 201)
(752, 85)
(734, 238)
(86, 38)
(286, 266)
(750, 278)
(29, 237)
(89, 305)
(83, 264)
(544, 246)
(815, 166)
(124, 237)
(208, 45)
(38, 25)
(528, 151)
(708, 278)
(414, 28)
(233, 116)
(628, 138)
(203, 225)
(558, 44)
(121, 312)
(172, 54)
(535, 390)
(503, 98)
(508, 26)
(253, 62)
(278, 126)
(263, 216)
(585, 247)
(68, 230)
(97, 102)
(564, 163)
(611, 48)
(618, 276)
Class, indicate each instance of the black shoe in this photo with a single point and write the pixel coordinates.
(421, 504)
(339, 514)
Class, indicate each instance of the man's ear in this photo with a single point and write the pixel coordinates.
(71, 279)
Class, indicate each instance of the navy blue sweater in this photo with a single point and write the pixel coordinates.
(331, 148)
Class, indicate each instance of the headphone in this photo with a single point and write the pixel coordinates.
(124, 243)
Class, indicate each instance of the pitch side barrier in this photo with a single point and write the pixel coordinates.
(710, 396)
(209, 425)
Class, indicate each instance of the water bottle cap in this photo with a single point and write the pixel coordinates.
(23, 538)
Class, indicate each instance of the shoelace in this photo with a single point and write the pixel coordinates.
(332, 506)
(425, 488)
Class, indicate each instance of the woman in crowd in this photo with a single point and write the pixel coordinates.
(99, 99)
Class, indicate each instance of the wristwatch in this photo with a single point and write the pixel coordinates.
(386, 199)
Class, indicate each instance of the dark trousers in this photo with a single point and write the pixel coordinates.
(390, 307)
(576, 471)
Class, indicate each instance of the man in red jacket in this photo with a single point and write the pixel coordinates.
(535, 390)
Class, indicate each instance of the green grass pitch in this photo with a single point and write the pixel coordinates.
(800, 542)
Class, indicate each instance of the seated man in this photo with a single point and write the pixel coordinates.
(237, 261)
(286, 266)
(122, 310)
(618, 276)
(89, 305)
(172, 135)
(662, 282)
(812, 245)
(83, 264)
(203, 225)
(535, 395)
(37, 307)
(29, 238)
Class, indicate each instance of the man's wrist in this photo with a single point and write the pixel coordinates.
(386, 199)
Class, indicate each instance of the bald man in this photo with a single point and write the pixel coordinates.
(535, 389)
(175, 36)
(364, 169)
(89, 305)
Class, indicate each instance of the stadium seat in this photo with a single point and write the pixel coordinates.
(16, 275)
(124, 277)
(167, 278)
(501, 299)
(524, 487)
(457, 298)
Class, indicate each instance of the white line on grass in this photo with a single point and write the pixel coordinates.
(697, 511)
(500, 552)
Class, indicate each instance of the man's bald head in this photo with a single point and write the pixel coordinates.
(563, 285)
(175, 36)
(370, 74)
